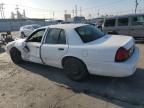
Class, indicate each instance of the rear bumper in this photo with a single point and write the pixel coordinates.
(123, 69)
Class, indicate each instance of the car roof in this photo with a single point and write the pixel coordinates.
(64, 26)
(123, 16)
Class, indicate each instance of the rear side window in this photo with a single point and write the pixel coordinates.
(110, 22)
(52, 36)
(55, 36)
(123, 22)
(89, 33)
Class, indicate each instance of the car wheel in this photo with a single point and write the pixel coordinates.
(75, 69)
(15, 55)
(23, 35)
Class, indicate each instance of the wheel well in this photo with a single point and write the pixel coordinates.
(67, 57)
(14, 48)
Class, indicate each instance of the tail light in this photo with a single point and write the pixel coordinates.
(121, 55)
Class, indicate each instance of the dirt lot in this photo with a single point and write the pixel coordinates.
(36, 86)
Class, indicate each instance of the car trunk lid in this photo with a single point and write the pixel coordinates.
(105, 48)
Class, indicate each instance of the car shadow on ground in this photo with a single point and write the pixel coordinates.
(120, 91)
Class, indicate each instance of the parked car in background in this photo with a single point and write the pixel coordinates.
(26, 30)
(79, 49)
(132, 25)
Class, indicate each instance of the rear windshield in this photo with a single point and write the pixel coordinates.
(89, 33)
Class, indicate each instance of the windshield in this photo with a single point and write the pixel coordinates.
(138, 20)
(89, 33)
(36, 26)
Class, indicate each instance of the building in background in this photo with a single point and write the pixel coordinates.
(67, 17)
(79, 19)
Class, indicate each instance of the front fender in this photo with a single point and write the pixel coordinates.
(17, 44)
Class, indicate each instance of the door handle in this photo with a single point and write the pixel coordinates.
(60, 49)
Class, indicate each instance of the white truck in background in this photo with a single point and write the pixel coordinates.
(132, 25)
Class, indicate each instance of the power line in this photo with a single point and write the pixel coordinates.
(76, 10)
(104, 5)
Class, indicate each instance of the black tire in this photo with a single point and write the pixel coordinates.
(15, 55)
(75, 69)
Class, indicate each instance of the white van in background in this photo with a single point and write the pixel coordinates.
(132, 25)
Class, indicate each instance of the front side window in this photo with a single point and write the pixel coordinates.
(89, 33)
(56, 36)
(123, 22)
(36, 36)
(110, 22)
(137, 20)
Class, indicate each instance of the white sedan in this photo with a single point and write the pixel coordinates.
(79, 49)
(26, 30)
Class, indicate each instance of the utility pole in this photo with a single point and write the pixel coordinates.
(2, 11)
(76, 10)
(17, 11)
(17, 8)
(80, 11)
(73, 13)
(65, 11)
(98, 13)
(90, 16)
(136, 1)
(53, 15)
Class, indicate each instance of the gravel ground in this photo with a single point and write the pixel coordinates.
(36, 86)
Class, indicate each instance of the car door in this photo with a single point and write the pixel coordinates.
(32, 46)
(54, 47)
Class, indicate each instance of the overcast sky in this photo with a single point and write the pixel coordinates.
(45, 8)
